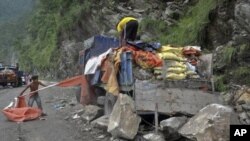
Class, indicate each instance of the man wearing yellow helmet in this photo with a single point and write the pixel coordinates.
(127, 27)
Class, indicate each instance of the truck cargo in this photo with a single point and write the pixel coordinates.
(157, 92)
(9, 75)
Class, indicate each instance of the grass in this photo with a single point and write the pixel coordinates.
(220, 84)
(228, 54)
(187, 30)
(242, 75)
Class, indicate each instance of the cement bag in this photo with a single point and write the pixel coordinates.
(170, 56)
(176, 64)
(176, 70)
(174, 76)
(158, 70)
(191, 73)
(168, 48)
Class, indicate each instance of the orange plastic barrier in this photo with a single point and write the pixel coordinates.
(21, 102)
(21, 112)
(87, 92)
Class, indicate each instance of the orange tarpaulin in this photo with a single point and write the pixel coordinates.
(21, 112)
(87, 93)
(144, 59)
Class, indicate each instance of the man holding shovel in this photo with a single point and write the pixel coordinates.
(34, 96)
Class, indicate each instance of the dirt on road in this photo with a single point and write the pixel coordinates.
(60, 105)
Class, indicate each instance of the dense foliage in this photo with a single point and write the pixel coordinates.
(188, 28)
(14, 15)
(52, 20)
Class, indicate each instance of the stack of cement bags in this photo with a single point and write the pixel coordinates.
(175, 66)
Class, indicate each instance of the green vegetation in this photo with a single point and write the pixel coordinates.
(189, 27)
(236, 68)
(228, 54)
(155, 27)
(53, 19)
(13, 17)
(187, 30)
(241, 75)
(220, 84)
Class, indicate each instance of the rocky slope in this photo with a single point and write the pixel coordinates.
(221, 27)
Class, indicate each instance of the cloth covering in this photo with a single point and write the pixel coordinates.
(144, 59)
(21, 112)
(109, 77)
(94, 62)
(87, 92)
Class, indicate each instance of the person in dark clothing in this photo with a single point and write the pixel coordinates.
(127, 27)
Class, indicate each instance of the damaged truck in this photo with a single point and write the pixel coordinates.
(155, 76)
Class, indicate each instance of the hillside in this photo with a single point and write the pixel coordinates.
(14, 16)
(58, 29)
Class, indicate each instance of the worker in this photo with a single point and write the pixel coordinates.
(127, 27)
(34, 96)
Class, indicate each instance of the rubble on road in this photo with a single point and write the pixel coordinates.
(239, 99)
(101, 123)
(211, 123)
(171, 126)
(123, 121)
(92, 112)
(154, 137)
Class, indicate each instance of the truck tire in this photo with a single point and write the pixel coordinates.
(110, 100)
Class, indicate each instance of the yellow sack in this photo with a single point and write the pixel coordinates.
(176, 69)
(170, 56)
(174, 76)
(194, 76)
(168, 48)
(176, 64)
(191, 73)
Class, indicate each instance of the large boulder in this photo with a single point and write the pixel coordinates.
(171, 126)
(210, 124)
(123, 121)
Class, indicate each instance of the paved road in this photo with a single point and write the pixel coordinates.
(54, 128)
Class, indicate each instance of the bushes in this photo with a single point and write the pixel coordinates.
(189, 26)
(52, 19)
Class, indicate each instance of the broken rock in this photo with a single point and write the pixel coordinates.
(154, 137)
(101, 122)
(170, 127)
(242, 96)
(123, 120)
(92, 112)
(211, 123)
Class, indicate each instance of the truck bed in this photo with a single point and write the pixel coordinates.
(172, 97)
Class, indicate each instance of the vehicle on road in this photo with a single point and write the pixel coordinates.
(9, 75)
